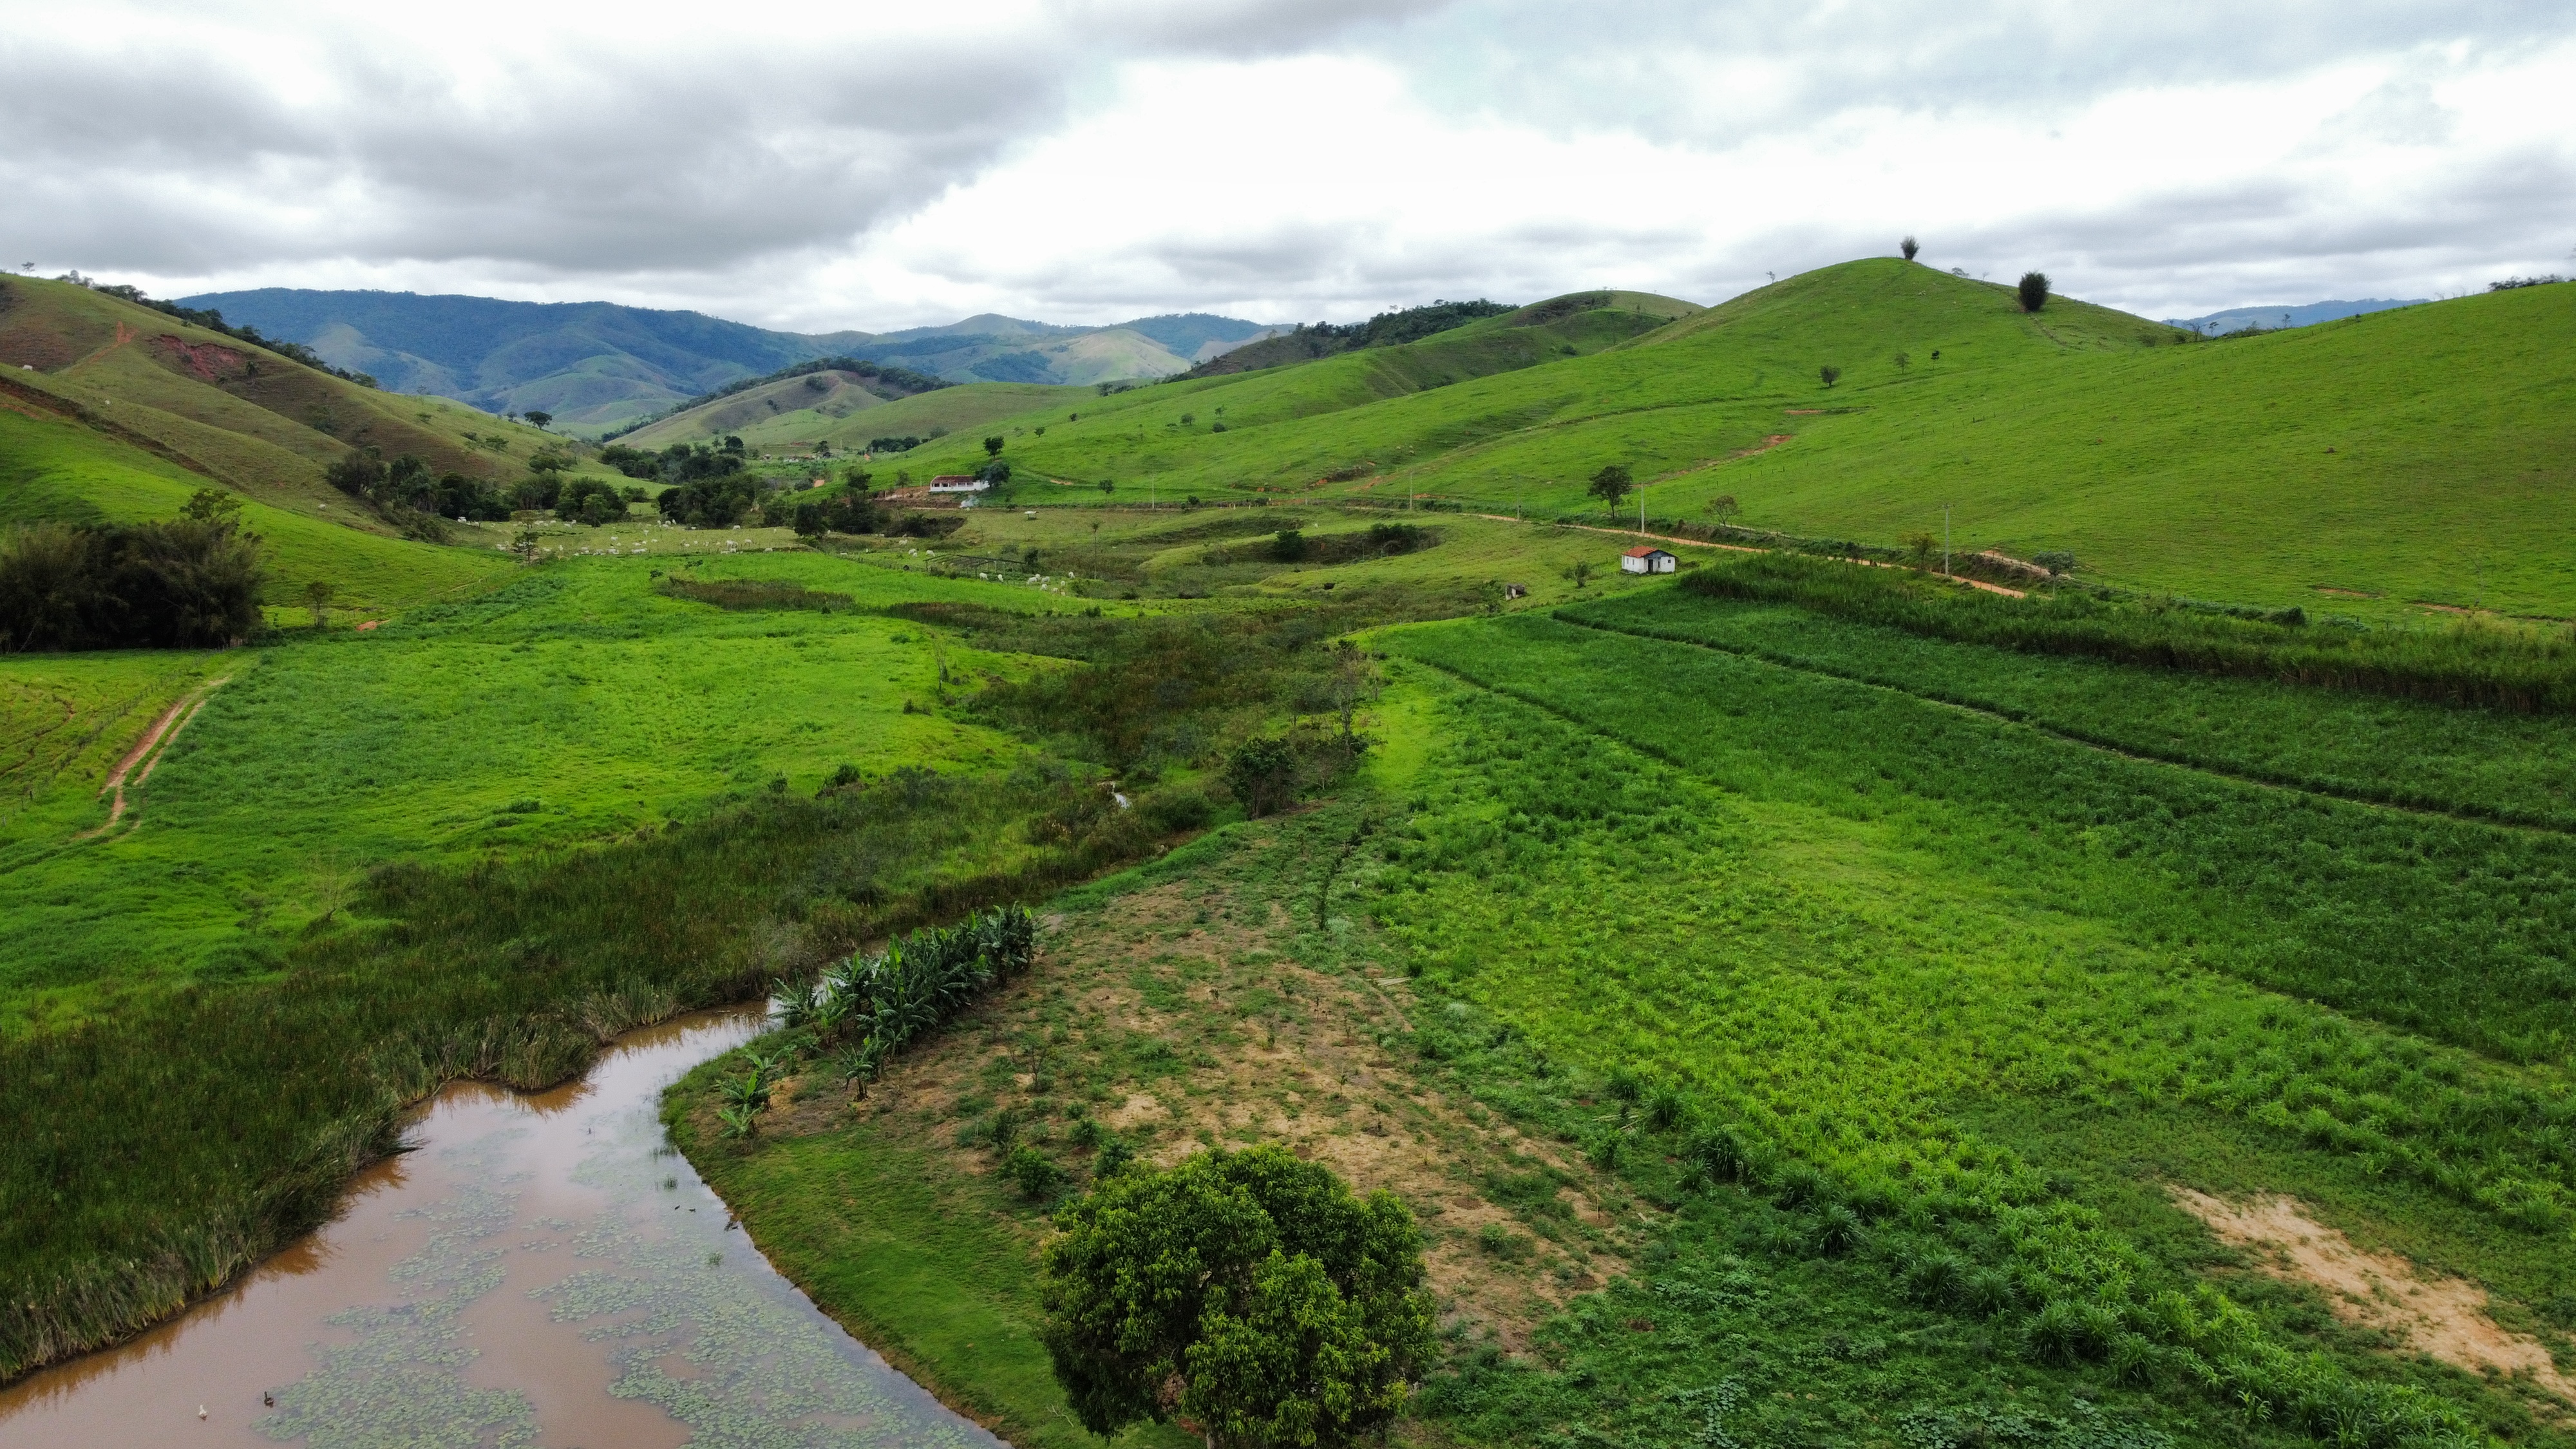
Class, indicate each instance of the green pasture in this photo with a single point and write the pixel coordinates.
(2415, 455)
(574, 705)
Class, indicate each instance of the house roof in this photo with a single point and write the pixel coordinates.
(1646, 550)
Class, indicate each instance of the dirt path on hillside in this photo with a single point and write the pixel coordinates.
(148, 751)
(2443, 1318)
(1749, 548)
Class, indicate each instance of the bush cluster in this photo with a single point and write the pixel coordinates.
(184, 584)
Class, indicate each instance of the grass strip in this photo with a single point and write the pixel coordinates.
(2476, 662)
(2483, 764)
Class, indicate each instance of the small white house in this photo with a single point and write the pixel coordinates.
(1645, 559)
(957, 483)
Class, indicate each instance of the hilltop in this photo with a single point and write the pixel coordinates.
(2410, 454)
(597, 365)
(1415, 324)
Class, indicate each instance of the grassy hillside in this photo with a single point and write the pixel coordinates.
(2412, 455)
(845, 412)
(52, 469)
(1282, 429)
(252, 420)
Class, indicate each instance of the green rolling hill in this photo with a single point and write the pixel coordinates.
(846, 410)
(2412, 455)
(114, 412)
(54, 470)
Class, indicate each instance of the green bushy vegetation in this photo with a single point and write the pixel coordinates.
(1834, 938)
(185, 584)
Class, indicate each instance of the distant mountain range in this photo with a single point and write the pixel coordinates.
(2299, 315)
(597, 365)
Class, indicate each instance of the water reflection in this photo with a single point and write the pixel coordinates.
(542, 1271)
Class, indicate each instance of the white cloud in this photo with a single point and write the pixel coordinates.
(1089, 160)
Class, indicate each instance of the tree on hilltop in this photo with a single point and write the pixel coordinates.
(539, 419)
(1909, 246)
(1612, 484)
(2034, 291)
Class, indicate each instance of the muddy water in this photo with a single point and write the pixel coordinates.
(541, 1273)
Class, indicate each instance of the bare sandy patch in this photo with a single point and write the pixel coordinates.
(1262, 1049)
(2443, 1318)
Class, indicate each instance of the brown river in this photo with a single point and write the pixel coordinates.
(540, 1272)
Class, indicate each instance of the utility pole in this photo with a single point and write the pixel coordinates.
(1641, 512)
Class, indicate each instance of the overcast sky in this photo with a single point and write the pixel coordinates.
(870, 165)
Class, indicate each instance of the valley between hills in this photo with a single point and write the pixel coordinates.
(1868, 864)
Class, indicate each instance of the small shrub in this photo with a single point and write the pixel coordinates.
(2033, 291)
(1829, 375)
(1712, 1157)
(1665, 1110)
(2056, 561)
(1033, 1173)
(1909, 246)
(1838, 1231)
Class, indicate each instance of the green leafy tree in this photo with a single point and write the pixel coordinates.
(1612, 484)
(1248, 1291)
(2033, 291)
(1725, 507)
(1262, 773)
(993, 447)
(212, 505)
(1909, 246)
(538, 419)
(317, 597)
(1829, 375)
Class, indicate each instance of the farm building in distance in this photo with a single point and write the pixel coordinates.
(1646, 559)
(957, 483)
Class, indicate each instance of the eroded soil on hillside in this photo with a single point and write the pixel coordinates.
(2443, 1318)
(1179, 1018)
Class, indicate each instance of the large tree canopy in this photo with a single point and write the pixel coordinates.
(1247, 1291)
